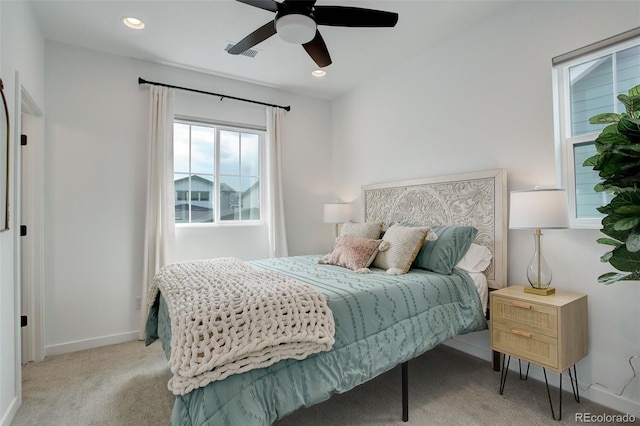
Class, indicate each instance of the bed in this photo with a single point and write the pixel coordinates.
(381, 320)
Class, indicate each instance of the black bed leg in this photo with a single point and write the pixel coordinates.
(495, 360)
(405, 391)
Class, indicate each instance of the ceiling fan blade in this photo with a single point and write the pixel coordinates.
(259, 35)
(318, 51)
(344, 16)
(269, 5)
(298, 3)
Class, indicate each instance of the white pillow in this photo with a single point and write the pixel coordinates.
(476, 259)
(369, 230)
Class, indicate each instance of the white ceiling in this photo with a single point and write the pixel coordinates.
(193, 35)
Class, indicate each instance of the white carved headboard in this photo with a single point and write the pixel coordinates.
(476, 199)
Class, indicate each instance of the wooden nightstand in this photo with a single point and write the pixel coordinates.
(549, 331)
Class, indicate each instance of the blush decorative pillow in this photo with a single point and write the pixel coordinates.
(404, 244)
(355, 253)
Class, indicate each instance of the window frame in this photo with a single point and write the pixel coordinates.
(232, 127)
(564, 144)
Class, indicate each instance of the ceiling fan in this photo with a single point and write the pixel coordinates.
(296, 22)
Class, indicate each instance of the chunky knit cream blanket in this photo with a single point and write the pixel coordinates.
(228, 317)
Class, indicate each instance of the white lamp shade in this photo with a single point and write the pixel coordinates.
(539, 209)
(337, 212)
(296, 28)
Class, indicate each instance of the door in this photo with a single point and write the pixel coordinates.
(30, 203)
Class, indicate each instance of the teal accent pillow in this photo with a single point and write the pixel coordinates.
(444, 253)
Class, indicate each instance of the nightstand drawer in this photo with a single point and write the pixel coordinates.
(525, 344)
(525, 315)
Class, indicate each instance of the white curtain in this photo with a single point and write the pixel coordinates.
(160, 226)
(275, 214)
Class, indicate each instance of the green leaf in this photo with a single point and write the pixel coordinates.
(611, 277)
(630, 209)
(591, 161)
(606, 257)
(626, 101)
(608, 139)
(633, 241)
(607, 117)
(609, 241)
(631, 103)
(605, 209)
(620, 185)
(626, 223)
(629, 127)
(634, 91)
(610, 165)
(625, 261)
(609, 230)
(626, 198)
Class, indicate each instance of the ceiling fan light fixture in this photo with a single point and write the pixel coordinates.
(296, 28)
(319, 73)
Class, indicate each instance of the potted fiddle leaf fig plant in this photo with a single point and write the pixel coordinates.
(618, 162)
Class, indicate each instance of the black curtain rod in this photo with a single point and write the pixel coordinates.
(143, 81)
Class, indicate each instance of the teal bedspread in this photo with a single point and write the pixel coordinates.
(381, 320)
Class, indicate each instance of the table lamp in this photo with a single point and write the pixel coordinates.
(337, 213)
(539, 209)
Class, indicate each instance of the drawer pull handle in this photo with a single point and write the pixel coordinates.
(521, 305)
(521, 333)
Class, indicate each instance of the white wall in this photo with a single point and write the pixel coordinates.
(483, 100)
(22, 52)
(96, 162)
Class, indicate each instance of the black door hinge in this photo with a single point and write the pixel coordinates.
(23, 321)
(23, 140)
(23, 230)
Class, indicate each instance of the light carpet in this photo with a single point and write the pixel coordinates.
(126, 384)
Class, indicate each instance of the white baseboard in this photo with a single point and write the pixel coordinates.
(8, 416)
(80, 345)
(594, 393)
(475, 343)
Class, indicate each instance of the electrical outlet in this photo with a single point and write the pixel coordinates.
(138, 303)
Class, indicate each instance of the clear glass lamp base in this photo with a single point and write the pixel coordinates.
(538, 271)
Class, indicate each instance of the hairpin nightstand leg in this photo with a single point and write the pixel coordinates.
(574, 387)
(526, 376)
(553, 414)
(503, 372)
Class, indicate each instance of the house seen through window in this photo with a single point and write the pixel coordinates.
(588, 84)
(216, 173)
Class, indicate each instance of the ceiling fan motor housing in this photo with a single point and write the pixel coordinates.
(295, 27)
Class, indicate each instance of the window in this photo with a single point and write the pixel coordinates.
(216, 172)
(586, 83)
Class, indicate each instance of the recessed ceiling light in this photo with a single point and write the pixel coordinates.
(132, 22)
(319, 73)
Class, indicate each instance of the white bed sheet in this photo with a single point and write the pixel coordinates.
(480, 280)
